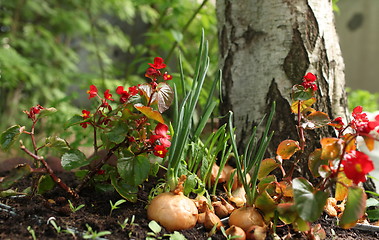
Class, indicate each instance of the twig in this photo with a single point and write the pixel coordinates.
(50, 171)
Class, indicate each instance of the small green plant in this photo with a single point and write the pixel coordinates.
(32, 232)
(73, 208)
(116, 205)
(91, 234)
(52, 221)
(126, 222)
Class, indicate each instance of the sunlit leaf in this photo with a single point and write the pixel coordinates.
(73, 159)
(165, 96)
(355, 207)
(285, 188)
(331, 148)
(303, 105)
(46, 112)
(265, 181)
(341, 189)
(45, 184)
(149, 112)
(147, 92)
(317, 119)
(351, 142)
(287, 148)
(301, 225)
(57, 143)
(190, 184)
(309, 202)
(267, 165)
(315, 161)
(9, 137)
(369, 141)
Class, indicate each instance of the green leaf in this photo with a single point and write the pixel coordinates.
(315, 161)
(149, 112)
(266, 204)
(309, 202)
(299, 93)
(155, 227)
(165, 96)
(373, 214)
(287, 148)
(73, 159)
(57, 143)
(45, 184)
(355, 207)
(317, 119)
(16, 174)
(117, 134)
(134, 170)
(9, 136)
(125, 190)
(76, 119)
(46, 112)
(287, 212)
(190, 184)
(266, 167)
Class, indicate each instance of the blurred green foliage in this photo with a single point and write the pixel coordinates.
(369, 101)
(51, 51)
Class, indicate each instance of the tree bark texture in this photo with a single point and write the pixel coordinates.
(266, 47)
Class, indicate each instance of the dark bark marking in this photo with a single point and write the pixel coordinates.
(311, 29)
(296, 62)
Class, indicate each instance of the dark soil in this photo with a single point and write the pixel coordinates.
(35, 212)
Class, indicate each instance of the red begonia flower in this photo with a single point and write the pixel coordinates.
(167, 76)
(133, 90)
(337, 123)
(309, 77)
(84, 124)
(360, 122)
(308, 81)
(356, 165)
(124, 94)
(107, 95)
(85, 114)
(161, 135)
(158, 63)
(160, 151)
(92, 91)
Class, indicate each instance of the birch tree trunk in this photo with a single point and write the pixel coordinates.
(266, 47)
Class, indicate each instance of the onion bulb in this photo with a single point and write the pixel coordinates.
(246, 217)
(256, 233)
(211, 220)
(236, 232)
(173, 211)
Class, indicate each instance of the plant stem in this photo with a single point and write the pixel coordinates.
(50, 171)
(92, 173)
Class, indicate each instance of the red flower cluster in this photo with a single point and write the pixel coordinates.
(308, 81)
(85, 115)
(153, 72)
(161, 140)
(125, 95)
(34, 111)
(360, 122)
(356, 166)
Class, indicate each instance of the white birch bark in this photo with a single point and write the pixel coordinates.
(266, 47)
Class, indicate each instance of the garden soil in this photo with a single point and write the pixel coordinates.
(36, 211)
